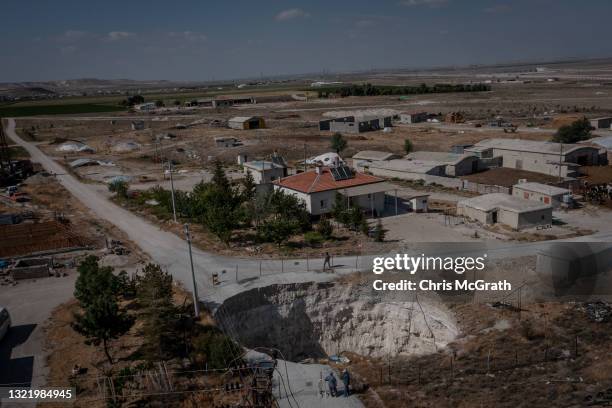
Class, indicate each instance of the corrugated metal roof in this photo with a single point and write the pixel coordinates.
(373, 155)
(409, 166)
(604, 141)
(439, 157)
(522, 145)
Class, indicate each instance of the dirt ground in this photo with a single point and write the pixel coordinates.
(505, 177)
(555, 350)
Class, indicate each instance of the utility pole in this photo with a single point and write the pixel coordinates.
(560, 160)
(196, 304)
(170, 169)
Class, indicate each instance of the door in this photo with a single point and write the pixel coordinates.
(494, 217)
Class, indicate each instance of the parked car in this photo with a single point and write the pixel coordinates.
(5, 322)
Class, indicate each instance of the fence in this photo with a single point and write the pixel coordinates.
(484, 188)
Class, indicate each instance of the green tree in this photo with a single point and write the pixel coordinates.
(177, 103)
(338, 143)
(92, 278)
(213, 349)
(407, 146)
(119, 187)
(325, 228)
(159, 103)
(573, 133)
(101, 319)
(339, 208)
(249, 188)
(154, 293)
(277, 231)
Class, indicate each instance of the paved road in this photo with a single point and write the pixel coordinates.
(22, 355)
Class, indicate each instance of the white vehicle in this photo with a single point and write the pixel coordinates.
(5, 322)
(326, 159)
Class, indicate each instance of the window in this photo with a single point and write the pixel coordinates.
(323, 204)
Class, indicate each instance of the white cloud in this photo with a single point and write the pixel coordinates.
(428, 3)
(291, 14)
(119, 35)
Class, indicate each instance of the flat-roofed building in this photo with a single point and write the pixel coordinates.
(413, 117)
(542, 193)
(500, 208)
(455, 164)
(374, 155)
(246, 122)
(554, 159)
(601, 123)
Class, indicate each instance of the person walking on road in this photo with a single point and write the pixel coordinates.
(332, 383)
(346, 380)
(327, 262)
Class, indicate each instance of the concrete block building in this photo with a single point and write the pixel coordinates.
(542, 193)
(352, 124)
(511, 211)
(265, 171)
(413, 117)
(454, 164)
(601, 123)
(553, 159)
(247, 122)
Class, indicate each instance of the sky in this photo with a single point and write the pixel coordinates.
(203, 40)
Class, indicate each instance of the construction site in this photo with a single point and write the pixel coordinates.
(351, 237)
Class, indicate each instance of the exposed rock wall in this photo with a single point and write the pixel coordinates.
(319, 319)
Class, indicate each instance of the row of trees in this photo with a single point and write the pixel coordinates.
(223, 207)
(375, 90)
(168, 330)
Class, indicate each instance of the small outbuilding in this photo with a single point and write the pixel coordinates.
(264, 171)
(247, 122)
(601, 123)
(413, 117)
(543, 193)
(454, 164)
(418, 202)
(500, 208)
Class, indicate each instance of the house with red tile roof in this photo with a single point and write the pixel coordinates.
(318, 188)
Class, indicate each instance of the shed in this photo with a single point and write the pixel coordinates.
(418, 202)
(543, 193)
(454, 164)
(500, 208)
(601, 123)
(247, 122)
(413, 117)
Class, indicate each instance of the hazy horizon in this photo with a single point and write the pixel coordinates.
(196, 42)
